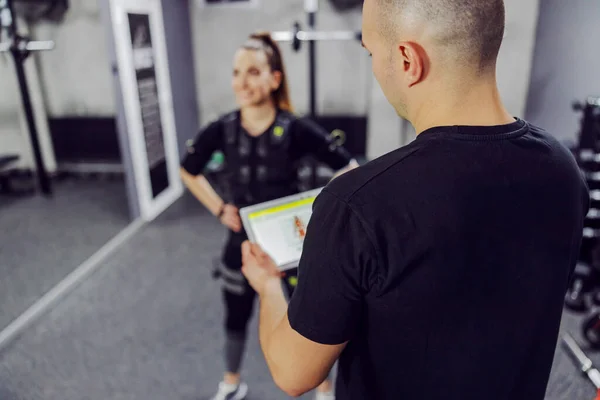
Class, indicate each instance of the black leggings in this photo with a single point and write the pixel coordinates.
(239, 298)
(238, 295)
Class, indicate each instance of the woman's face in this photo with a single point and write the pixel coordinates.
(253, 81)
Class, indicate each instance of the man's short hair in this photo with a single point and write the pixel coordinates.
(471, 29)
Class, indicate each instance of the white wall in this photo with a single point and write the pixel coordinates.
(566, 64)
(343, 69)
(77, 74)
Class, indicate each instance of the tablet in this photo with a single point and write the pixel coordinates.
(279, 226)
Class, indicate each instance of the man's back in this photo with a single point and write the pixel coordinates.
(470, 235)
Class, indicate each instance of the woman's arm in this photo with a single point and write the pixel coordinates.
(201, 188)
(203, 191)
(191, 172)
(311, 138)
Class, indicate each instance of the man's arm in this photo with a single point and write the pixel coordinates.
(297, 364)
(302, 341)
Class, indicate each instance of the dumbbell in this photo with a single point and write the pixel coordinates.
(592, 219)
(580, 285)
(588, 155)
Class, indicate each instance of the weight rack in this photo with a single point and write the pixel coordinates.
(586, 277)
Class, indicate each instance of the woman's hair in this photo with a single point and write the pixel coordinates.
(264, 42)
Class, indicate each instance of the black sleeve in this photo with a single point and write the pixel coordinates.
(336, 270)
(312, 139)
(209, 140)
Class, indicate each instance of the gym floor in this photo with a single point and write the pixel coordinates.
(147, 325)
(43, 239)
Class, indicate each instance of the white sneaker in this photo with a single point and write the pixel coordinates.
(228, 391)
(325, 396)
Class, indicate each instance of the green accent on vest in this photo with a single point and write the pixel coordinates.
(217, 160)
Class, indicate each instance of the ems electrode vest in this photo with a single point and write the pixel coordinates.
(258, 169)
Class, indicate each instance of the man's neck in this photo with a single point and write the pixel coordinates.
(480, 105)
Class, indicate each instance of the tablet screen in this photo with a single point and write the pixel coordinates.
(279, 226)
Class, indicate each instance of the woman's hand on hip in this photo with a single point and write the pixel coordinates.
(231, 218)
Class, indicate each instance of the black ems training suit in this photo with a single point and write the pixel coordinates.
(258, 169)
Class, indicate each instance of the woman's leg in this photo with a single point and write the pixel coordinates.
(238, 297)
(238, 312)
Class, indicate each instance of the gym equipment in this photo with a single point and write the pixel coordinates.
(584, 363)
(586, 277)
(297, 36)
(589, 134)
(20, 48)
(581, 284)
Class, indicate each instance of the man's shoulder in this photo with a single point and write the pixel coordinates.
(561, 154)
(360, 180)
(549, 138)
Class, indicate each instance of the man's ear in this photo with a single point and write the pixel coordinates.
(413, 62)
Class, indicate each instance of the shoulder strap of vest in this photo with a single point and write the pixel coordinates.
(230, 127)
(282, 124)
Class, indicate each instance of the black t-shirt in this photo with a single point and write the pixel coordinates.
(306, 138)
(445, 264)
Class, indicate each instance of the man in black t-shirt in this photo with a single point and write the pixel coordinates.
(437, 271)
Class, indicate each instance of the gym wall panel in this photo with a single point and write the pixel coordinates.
(178, 35)
(343, 69)
(566, 64)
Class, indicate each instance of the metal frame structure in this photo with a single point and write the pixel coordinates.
(297, 36)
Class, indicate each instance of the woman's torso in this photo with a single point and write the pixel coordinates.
(262, 167)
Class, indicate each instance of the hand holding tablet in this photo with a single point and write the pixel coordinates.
(279, 226)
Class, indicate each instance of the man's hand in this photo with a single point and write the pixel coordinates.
(258, 267)
(231, 218)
